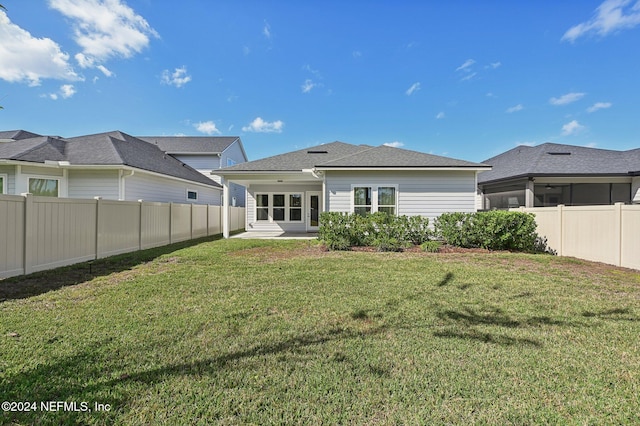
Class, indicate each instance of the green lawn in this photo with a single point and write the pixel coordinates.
(265, 332)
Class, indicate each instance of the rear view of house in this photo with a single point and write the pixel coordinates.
(287, 192)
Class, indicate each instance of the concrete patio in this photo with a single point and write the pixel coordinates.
(276, 235)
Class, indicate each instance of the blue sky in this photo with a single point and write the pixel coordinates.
(465, 79)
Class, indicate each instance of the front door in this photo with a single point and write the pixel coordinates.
(313, 211)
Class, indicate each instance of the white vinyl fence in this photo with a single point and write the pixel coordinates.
(608, 234)
(40, 233)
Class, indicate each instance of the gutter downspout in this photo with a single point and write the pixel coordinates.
(122, 186)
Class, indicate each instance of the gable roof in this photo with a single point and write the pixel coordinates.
(108, 149)
(16, 135)
(340, 155)
(191, 144)
(550, 159)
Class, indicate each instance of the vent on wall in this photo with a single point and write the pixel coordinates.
(559, 153)
(317, 152)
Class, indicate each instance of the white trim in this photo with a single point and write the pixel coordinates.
(374, 195)
(62, 193)
(188, 190)
(287, 207)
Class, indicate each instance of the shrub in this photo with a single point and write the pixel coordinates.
(339, 231)
(494, 230)
(431, 246)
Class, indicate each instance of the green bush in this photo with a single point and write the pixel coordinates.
(431, 246)
(494, 230)
(340, 231)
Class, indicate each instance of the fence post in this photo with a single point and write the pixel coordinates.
(618, 232)
(140, 225)
(560, 228)
(170, 223)
(98, 207)
(29, 233)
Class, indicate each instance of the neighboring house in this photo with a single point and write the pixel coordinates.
(287, 192)
(206, 153)
(552, 174)
(111, 165)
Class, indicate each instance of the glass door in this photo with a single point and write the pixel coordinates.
(313, 211)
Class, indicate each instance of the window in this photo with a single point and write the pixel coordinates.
(192, 195)
(262, 207)
(369, 199)
(3, 181)
(295, 207)
(43, 187)
(387, 199)
(230, 162)
(362, 200)
(285, 207)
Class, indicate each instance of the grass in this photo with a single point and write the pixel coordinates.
(273, 332)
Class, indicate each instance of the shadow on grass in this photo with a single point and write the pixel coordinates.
(93, 375)
(37, 283)
(616, 314)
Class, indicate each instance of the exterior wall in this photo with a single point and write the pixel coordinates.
(148, 187)
(598, 233)
(93, 183)
(236, 192)
(25, 172)
(9, 173)
(425, 193)
(201, 162)
(635, 190)
(40, 233)
(252, 224)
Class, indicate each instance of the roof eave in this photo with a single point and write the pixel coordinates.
(396, 168)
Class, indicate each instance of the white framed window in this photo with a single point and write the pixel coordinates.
(3, 183)
(374, 198)
(230, 162)
(44, 186)
(279, 207)
(192, 195)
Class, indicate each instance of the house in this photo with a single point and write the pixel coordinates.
(206, 153)
(287, 192)
(110, 165)
(551, 174)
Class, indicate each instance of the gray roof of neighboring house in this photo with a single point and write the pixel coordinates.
(550, 159)
(191, 144)
(17, 134)
(344, 155)
(112, 148)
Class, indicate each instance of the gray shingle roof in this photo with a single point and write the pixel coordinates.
(112, 148)
(343, 155)
(552, 159)
(17, 134)
(191, 144)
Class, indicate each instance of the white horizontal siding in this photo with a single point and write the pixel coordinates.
(425, 193)
(142, 186)
(10, 175)
(201, 162)
(93, 183)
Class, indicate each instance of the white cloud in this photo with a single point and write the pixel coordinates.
(610, 16)
(67, 90)
(178, 77)
(566, 99)
(356, 54)
(266, 30)
(571, 128)
(494, 65)
(599, 105)
(104, 70)
(27, 59)
(105, 29)
(440, 115)
(466, 65)
(308, 85)
(394, 144)
(526, 143)
(260, 126)
(469, 76)
(516, 108)
(207, 127)
(414, 88)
